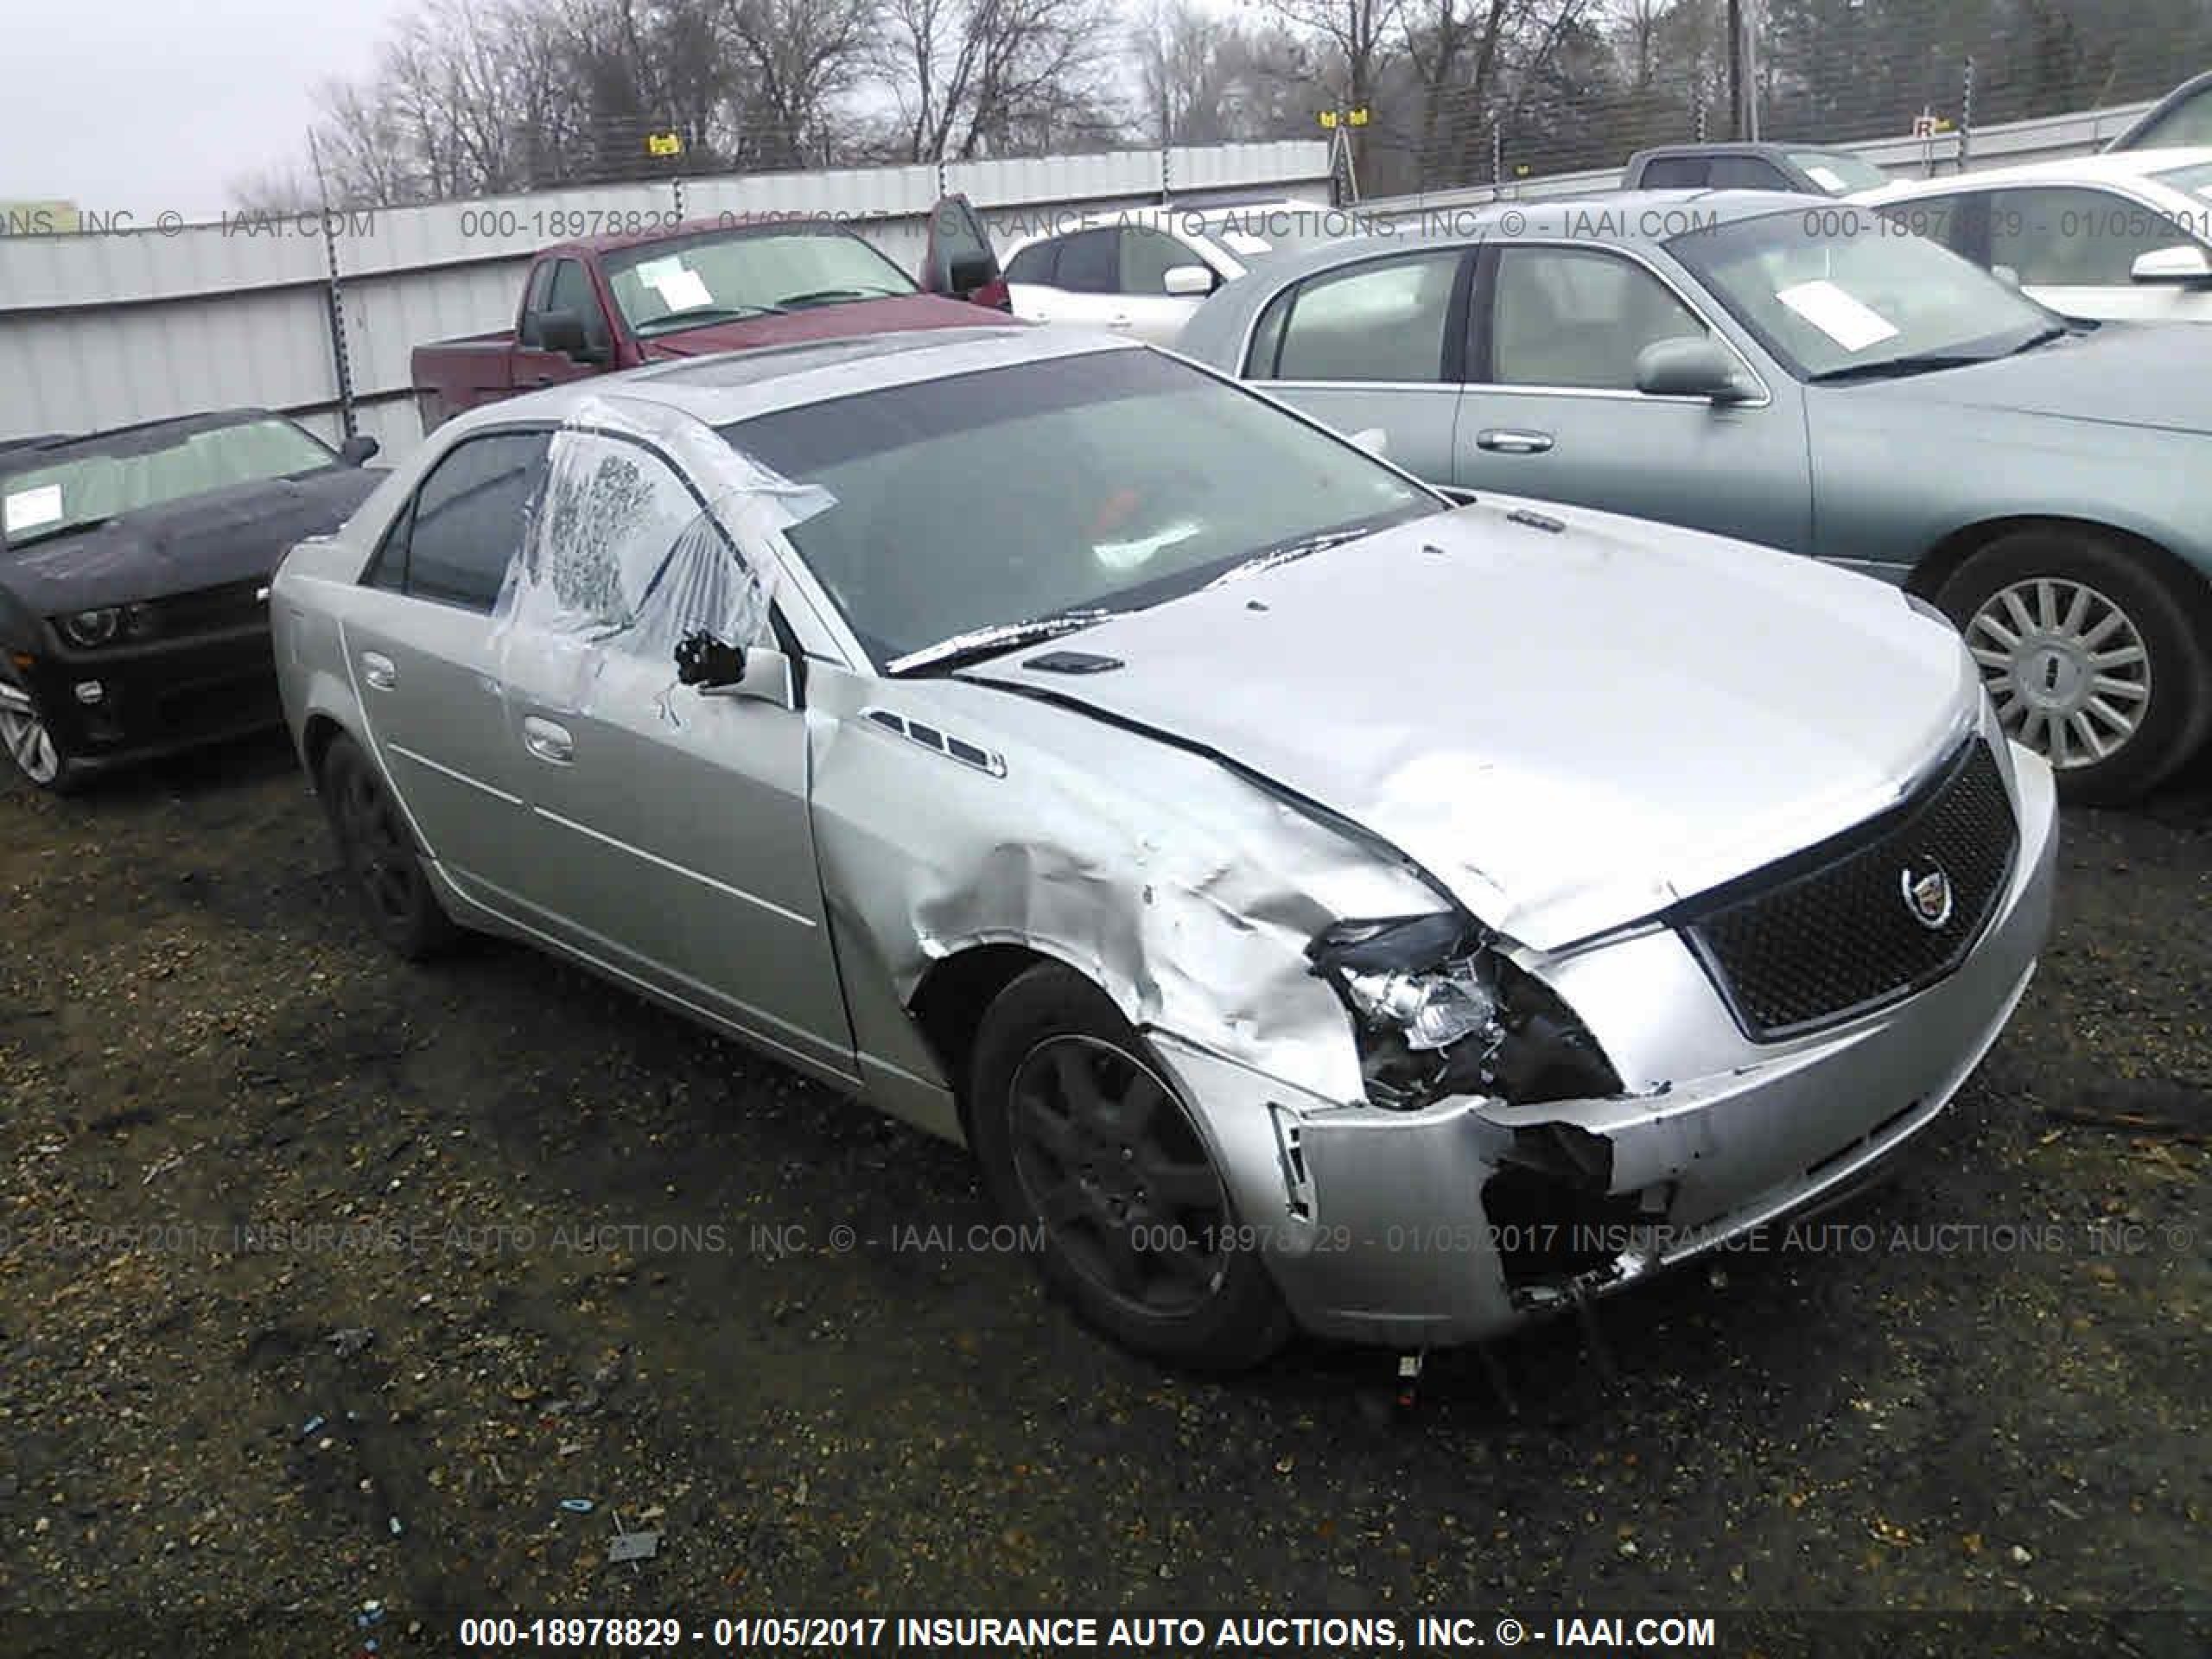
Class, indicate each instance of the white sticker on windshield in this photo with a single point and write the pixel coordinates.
(685, 291)
(1828, 179)
(1850, 322)
(28, 509)
(1244, 241)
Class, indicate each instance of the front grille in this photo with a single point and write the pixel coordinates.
(1832, 933)
(212, 610)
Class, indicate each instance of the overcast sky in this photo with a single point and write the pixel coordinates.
(149, 106)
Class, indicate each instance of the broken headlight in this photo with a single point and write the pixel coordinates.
(1438, 1011)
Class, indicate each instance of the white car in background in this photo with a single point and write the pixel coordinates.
(2123, 236)
(1143, 271)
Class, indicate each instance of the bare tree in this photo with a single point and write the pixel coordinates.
(991, 77)
(1359, 36)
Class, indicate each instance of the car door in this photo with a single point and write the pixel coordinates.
(566, 290)
(418, 647)
(1030, 280)
(1084, 292)
(1144, 256)
(1373, 349)
(2075, 249)
(1551, 407)
(668, 833)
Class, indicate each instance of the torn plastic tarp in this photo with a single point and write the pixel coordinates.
(618, 555)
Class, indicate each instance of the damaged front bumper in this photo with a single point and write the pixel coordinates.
(1459, 1220)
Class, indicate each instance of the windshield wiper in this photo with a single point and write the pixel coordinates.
(979, 644)
(1911, 363)
(1284, 552)
(831, 295)
(2042, 337)
(676, 321)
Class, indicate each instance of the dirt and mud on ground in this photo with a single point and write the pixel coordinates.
(324, 1278)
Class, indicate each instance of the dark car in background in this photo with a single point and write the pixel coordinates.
(134, 572)
(1802, 169)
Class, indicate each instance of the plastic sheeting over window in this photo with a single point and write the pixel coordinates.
(635, 541)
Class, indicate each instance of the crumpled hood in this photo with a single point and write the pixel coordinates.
(203, 541)
(1570, 730)
(2124, 374)
(892, 314)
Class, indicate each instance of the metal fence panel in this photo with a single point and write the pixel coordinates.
(123, 324)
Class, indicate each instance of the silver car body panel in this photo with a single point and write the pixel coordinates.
(1434, 713)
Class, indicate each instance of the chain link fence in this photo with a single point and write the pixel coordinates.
(1576, 86)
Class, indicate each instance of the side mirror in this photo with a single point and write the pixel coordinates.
(2008, 276)
(357, 449)
(966, 272)
(757, 673)
(2185, 263)
(1187, 282)
(564, 332)
(1688, 368)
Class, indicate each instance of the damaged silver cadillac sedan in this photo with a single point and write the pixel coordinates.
(1314, 904)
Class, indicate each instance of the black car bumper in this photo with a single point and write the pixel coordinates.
(132, 702)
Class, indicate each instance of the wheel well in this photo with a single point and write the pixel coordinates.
(1943, 559)
(315, 743)
(949, 1004)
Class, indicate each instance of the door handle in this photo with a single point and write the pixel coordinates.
(548, 742)
(1512, 441)
(379, 670)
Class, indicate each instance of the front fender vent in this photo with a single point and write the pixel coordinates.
(937, 742)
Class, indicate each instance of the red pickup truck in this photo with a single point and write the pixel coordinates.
(619, 302)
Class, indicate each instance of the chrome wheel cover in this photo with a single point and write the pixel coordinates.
(28, 743)
(2066, 667)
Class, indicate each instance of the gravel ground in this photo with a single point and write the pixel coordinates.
(325, 1278)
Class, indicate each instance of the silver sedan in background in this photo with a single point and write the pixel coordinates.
(1314, 904)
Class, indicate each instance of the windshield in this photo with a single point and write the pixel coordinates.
(2192, 181)
(1278, 227)
(718, 274)
(53, 492)
(1838, 172)
(1108, 481)
(1831, 290)
(2188, 122)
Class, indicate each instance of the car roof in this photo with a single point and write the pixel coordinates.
(2107, 167)
(1205, 219)
(1617, 218)
(731, 386)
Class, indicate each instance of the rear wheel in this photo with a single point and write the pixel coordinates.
(2092, 657)
(1078, 1131)
(30, 742)
(381, 860)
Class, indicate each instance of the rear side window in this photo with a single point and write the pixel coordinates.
(466, 522)
(1746, 172)
(1940, 218)
(1675, 173)
(1035, 262)
(1088, 263)
(1383, 321)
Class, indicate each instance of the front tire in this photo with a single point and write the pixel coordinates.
(2093, 657)
(1079, 1131)
(29, 741)
(382, 863)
